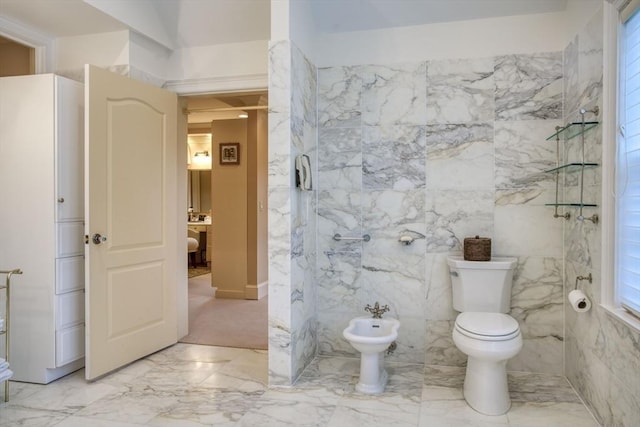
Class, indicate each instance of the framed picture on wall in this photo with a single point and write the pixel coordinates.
(229, 153)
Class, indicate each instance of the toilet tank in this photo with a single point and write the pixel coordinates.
(481, 285)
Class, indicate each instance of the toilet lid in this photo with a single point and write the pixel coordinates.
(488, 326)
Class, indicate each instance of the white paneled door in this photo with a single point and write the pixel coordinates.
(130, 190)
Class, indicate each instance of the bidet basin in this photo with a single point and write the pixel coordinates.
(369, 335)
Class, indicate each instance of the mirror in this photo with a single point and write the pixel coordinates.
(199, 194)
(199, 167)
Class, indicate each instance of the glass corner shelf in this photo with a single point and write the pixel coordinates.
(573, 205)
(572, 130)
(569, 167)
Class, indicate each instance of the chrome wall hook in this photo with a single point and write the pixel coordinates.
(593, 218)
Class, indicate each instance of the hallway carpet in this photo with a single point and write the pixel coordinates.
(224, 322)
(198, 271)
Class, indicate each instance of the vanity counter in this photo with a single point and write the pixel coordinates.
(204, 238)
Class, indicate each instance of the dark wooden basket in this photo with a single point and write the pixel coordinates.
(477, 249)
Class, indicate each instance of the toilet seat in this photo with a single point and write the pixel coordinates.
(487, 326)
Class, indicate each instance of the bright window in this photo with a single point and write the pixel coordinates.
(627, 185)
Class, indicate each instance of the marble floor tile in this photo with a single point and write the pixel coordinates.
(191, 386)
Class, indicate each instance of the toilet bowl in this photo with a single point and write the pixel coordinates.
(371, 337)
(489, 340)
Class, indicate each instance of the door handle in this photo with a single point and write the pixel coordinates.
(97, 239)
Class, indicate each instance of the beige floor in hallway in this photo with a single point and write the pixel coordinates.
(190, 385)
(224, 322)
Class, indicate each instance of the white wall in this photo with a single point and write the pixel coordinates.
(148, 60)
(578, 14)
(280, 22)
(102, 50)
(464, 39)
(141, 15)
(232, 59)
(302, 30)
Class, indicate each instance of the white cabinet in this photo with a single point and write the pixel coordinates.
(42, 222)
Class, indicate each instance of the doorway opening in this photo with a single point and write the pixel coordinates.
(227, 219)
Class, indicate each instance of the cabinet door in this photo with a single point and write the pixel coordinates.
(69, 274)
(69, 345)
(70, 309)
(70, 239)
(69, 150)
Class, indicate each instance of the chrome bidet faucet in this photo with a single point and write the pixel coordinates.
(376, 310)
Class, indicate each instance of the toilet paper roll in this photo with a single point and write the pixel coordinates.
(579, 301)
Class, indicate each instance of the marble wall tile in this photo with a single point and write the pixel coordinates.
(460, 90)
(570, 66)
(339, 158)
(425, 166)
(280, 372)
(393, 157)
(279, 76)
(590, 60)
(303, 87)
(456, 214)
(394, 94)
(411, 340)
(440, 349)
(280, 162)
(523, 154)
(618, 345)
(523, 227)
(331, 325)
(537, 304)
(292, 218)
(339, 96)
(339, 212)
(338, 280)
(543, 353)
(438, 288)
(397, 281)
(529, 87)
(537, 293)
(303, 215)
(580, 236)
(304, 344)
(593, 384)
(600, 351)
(625, 407)
(585, 328)
(460, 156)
(592, 153)
(388, 214)
(279, 255)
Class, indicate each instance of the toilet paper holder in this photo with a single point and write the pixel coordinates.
(580, 278)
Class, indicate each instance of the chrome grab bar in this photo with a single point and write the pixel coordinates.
(337, 237)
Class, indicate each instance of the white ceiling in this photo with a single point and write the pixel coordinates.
(206, 22)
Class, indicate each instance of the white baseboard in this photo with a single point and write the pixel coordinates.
(256, 291)
(229, 294)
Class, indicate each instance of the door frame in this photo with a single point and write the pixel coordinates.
(184, 89)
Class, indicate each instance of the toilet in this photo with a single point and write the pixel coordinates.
(483, 331)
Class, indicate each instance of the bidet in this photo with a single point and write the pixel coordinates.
(371, 337)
